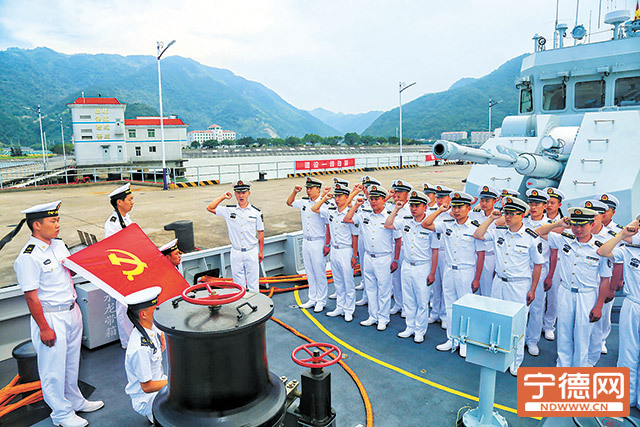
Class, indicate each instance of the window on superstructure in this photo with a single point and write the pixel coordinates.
(85, 116)
(138, 151)
(132, 133)
(554, 97)
(526, 100)
(152, 148)
(627, 92)
(590, 94)
(151, 133)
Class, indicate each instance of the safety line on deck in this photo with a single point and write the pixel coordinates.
(395, 368)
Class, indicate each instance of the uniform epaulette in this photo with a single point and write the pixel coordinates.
(29, 249)
(407, 217)
(449, 219)
(113, 219)
(613, 233)
(531, 232)
(501, 227)
(476, 209)
(388, 212)
(569, 235)
(619, 226)
(326, 202)
(231, 206)
(475, 222)
(598, 243)
(305, 198)
(146, 343)
(367, 210)
(631, 245)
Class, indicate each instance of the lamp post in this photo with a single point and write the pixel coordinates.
(161, 50)
(44, 161)
(492, 103)
(402, 87)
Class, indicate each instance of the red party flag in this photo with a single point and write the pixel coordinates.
(127, 262)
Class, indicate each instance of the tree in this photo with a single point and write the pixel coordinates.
(292, 141)
(57, 148)
(352, 138)
(195, 144)
(210, 143)
(394, 140)
(312, 138)
(16, 151)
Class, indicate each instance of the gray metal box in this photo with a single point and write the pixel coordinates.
(98, 315)
(491, 327)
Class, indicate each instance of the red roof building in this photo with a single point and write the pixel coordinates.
(96, 101)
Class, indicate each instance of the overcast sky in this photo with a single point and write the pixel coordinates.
(343, 55)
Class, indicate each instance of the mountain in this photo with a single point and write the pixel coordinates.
(198, 94)
(346, 122)
(463, 107)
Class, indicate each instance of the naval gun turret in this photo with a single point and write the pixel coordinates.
(577, 128)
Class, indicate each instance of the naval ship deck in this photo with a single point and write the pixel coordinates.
(408, 384)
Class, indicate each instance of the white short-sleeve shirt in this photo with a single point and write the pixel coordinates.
(112, 225)
(243, 224)
(142, 364)
(313, 226)
(516, 251)
(417, 241)
(459, 245)
(341, 232)
(629, 256)
(375, 237)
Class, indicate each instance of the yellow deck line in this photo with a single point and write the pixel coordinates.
(395, 368)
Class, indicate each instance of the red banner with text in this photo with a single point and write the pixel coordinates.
(324, 164)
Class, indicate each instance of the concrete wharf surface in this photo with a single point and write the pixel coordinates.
(86, 207)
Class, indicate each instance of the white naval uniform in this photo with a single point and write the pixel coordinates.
(141, 365)
(612, 229)
(243, 226)
(341, 253)
(516, 253)
(580, 271)
(379, 247)
(315, 264)
(39, 267)
(551, 310)
(598, 332)
(396, 276)
(365, 205)
(489, 266)
(111, 227)
(536, 308)
(460, 259)
(438, 307)
(629, 326)
(418, 244)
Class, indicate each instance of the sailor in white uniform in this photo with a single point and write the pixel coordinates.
(537, 200)
(628, 256)
(583, 284)
(344, 247)
(430, 191)
(122, 201)
(519, 259)
(401, 191)
(246, 232)
(420, 261)
(172, 252)
(143, 359)
(488, 196)
(382, 249)
(315, 245)
(552, 281)
(438, 306)
(56, 321)
(463, 255)
(331, 202)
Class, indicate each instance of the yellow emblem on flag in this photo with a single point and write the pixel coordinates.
(133, 259)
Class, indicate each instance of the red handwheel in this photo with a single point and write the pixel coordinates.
(317, 361)
(213, 298)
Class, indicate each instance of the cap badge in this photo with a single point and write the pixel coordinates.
(604, 198)
(577, 212)
(399, 182)
(374, 188)
(550, 191)
(588, 205)
(534, 193)
(509, 200)
(485, 189)
(414, 194)
(240, 183)
(439, 188)
(457, 195)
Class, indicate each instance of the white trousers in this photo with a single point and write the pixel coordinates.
(415, 295)
(438, 311)
(396, 278)
(536, 309)
(598, 337)
(245, 268)
(315, 266)
(515, 291)
(551, 313)
(343, 279)
(488, 270)
(574, 328)
(629, 350)
(58, 365)
(124, 324)
(455, 285)
(377, 285)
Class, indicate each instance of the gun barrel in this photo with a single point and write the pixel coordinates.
(448, 150)
(535, 166)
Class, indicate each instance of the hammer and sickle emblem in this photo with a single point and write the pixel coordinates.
(116, 260)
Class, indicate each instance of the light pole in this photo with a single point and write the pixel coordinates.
(161, 50)
(492, 103)
(44, 161)
(402, 87)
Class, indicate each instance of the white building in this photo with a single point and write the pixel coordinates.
(213, 132)
(480, 137)
(453, 136)
(101, 136)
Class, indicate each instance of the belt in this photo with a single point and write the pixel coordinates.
(59, 308)
(414, 263)
(577, 290)
(244, 249)
(511, 279)
(372, 255)
(341, 246)
(460, 267)
(311, 239)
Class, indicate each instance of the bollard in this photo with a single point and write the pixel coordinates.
(183, 230)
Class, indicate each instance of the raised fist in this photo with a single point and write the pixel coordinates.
(297, 188)
(228, 195)
(359, 201)
(495, 214)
